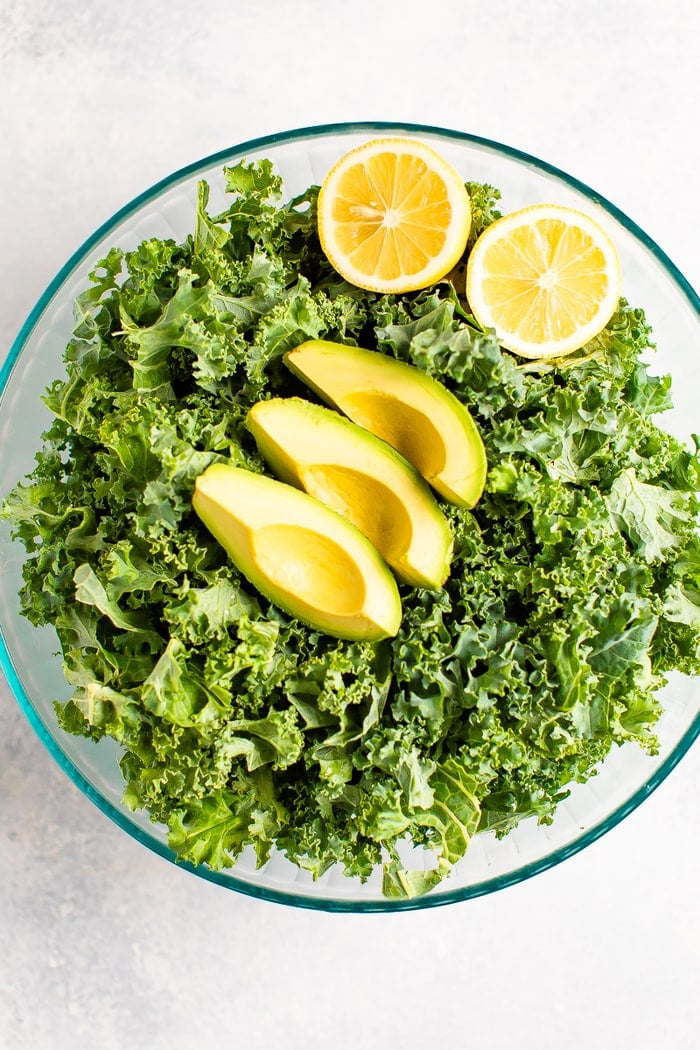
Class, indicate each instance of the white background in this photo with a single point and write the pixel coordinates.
(103, 945)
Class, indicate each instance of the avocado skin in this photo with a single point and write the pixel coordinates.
(240, 508)
(437, 435)
(361, 477)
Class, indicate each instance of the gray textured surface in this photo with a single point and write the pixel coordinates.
(103, 945)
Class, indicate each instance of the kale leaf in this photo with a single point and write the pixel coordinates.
(575, 587)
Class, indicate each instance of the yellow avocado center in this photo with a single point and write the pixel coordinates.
(367, 502)
(330, 581)
(401, 425)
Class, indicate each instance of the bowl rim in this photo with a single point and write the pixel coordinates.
(118, 816)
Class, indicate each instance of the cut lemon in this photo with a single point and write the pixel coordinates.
(393, 216)
(546, 278)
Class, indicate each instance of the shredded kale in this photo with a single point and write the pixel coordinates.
(575, 586)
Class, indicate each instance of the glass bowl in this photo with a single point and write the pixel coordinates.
(29, 656)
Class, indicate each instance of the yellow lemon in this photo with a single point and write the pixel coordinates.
(547, 278)
(393, 216)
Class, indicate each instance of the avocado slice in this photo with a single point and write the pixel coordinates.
(409, 409)
(361, 477)
(300, 554)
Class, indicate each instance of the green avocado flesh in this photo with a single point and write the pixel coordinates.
(405, 407)
(298, 553)
(361, 477)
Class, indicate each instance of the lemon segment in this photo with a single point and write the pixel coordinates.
(546, 278)
(393, 216)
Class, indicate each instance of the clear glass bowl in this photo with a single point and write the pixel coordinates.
(29, 656)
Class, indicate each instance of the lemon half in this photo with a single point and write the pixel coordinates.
(546, 278)
(393, 216)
